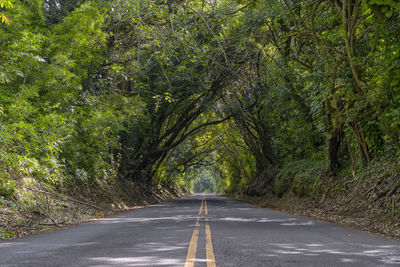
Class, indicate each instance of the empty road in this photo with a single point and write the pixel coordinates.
(203, 230)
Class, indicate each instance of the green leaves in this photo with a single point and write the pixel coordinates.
(92, 89)
(8, 5)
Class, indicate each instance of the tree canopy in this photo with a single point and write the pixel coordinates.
(171, 93)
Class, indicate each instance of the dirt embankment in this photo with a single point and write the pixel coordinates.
(369, 201)
(35, 209)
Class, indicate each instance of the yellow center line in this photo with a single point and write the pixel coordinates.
(191, 255)
(201, 206)
(209, 246)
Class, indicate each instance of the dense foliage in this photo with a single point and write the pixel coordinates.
(323, 85)
(165, 93)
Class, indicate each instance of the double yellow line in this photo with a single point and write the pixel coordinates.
(191, 255)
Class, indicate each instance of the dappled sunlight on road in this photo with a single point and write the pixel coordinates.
(179, 218)
(55, 244)
(159, 247)
(283, 222)
(14, 244)
(275, 238)
(385, 254)
(151, 254)
(298, 223)
(136, 261)
(241, 235)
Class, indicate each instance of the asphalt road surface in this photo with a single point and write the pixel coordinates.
(203, 230)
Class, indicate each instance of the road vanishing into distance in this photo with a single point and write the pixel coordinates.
(203, 230)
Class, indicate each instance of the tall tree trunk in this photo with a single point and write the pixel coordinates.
(360, 139)
(334, 141)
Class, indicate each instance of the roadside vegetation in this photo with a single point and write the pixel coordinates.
(107, 104)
